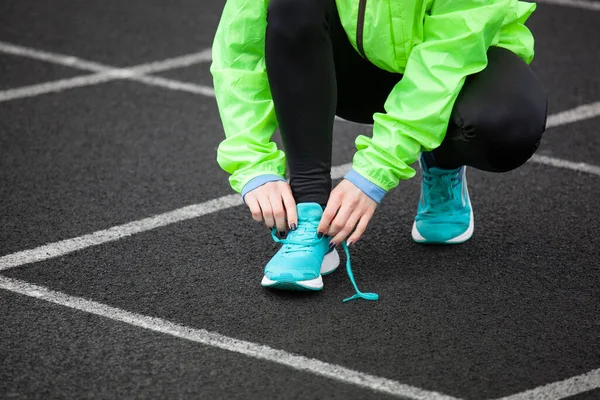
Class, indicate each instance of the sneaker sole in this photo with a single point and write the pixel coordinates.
(330, 264)
(462, 238)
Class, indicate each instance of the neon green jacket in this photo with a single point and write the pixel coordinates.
(434, 43)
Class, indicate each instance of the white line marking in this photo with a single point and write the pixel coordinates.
(75, 62)
(61, 59)
(102, 77)
(173, 63)
(176, 85)
(58, 86)
(574, 166)
(118, 232)
(105, 73)
(559, 390)
(580, 113)
(67, 246)
(586, 5)
(339, 171)
(204, 337)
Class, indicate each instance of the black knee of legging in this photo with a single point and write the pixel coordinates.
(499, 140)
(513, 136)
(499, 117)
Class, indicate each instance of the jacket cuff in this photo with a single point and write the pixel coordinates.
(259, 181)
(369, 188)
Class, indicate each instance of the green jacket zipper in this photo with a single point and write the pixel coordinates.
(360, 27)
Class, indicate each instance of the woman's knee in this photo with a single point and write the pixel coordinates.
(512, 133)
(295, 19)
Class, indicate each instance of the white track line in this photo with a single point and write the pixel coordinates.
(104, 73)
(85, 65)
(175, 62)
(586, 5)
(57, 86)
(559, 390)
(576, 114)
(117, 232)
(176, 85)
(55, 58)
(557, 162)
(103, 77)
(250, 349)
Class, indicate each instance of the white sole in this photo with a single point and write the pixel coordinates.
(463, 237)
(330, 263)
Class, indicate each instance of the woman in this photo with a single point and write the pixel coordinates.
(445, 82)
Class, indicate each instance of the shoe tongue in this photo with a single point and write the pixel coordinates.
(309, 211)
(439, 171)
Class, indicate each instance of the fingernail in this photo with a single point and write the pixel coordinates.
(349, 243)
(320, 235)
(281, 234)
(332, 245)
(293, 227)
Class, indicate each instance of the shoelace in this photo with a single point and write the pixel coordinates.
(303, 235)
(359, 294)
(440, 188)
(303, 244)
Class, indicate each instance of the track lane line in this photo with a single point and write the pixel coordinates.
(86, 65)
(580, 113)
(67, 246)
(104, 73)
(213, 339)
(561, 389)
(54, 58)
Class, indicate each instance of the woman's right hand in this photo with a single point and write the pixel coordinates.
(272, 203)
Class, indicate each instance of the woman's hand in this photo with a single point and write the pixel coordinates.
(348, 207)
(273, 203)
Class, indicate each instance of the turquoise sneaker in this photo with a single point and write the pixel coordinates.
(303, 258)
(444, 215)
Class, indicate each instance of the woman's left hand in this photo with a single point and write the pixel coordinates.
(348, 208)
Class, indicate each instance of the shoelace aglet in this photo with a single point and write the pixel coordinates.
(364, 296)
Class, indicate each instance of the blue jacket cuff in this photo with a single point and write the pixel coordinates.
(259, 181)
(369, 188)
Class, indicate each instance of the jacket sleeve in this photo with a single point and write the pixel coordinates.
(243, 94)
(456, 37)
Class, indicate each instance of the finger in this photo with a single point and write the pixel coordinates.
(290, 208)
(267, 212)
(254, 207)
(329, 214)
(360, 228)
(278, 212)
(347, 228)
(340, 220)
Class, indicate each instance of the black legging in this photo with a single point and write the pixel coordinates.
(315, 73)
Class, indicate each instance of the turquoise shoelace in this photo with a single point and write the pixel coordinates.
(440, 192)
(304, 243)
(359, 294)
